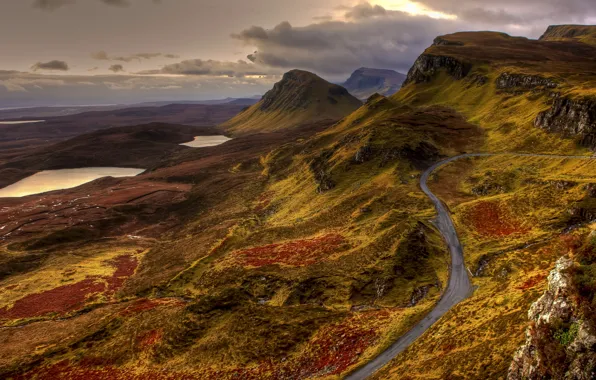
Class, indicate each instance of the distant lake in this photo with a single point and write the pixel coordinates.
(21, 122)
(205, 141)
(50, 180)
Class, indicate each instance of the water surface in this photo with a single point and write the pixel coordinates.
(21, 122)
(205, 141)
(50, 180)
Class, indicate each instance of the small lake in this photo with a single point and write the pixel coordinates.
(205, 141)
(21, 122)
(50, 180)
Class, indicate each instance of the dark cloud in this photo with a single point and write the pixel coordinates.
(51, 65)
(372, 37)
(116, 68)
(199, 67)
(103, 56)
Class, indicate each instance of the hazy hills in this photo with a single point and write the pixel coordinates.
(366, 81)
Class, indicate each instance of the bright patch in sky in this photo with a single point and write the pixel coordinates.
(412, 8)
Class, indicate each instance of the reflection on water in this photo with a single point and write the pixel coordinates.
(205, 141)
(20, 122)
(50, 180)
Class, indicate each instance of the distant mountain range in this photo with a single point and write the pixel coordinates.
(366, 81)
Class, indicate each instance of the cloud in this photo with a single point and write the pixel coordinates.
(103, 56)
(51, 65)
(365, 10)
(528, 13)
(199, 67)
(50, 5)
(371, 36)
(116, 68)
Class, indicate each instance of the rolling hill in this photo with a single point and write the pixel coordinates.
(300, 97)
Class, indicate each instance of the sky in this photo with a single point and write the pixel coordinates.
(63, 52)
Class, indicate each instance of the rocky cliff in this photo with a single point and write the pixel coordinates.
(524, 81)
(427, 65)
(575, 118)
(556, 32)
(559, 343)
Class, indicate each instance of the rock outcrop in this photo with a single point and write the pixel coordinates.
(427, 65)
(559, 344)
(575, 118)
(524, 81)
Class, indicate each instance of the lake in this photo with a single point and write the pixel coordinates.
(205, 141)
(50, 180)
(20, 122)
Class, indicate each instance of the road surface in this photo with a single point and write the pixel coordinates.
(459, 286)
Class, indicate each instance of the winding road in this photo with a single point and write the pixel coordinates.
(459, 286)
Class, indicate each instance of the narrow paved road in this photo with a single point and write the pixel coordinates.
(459, 286)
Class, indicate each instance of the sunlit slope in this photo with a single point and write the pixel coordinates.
(300, 97)
(581, 33)
(526, 94)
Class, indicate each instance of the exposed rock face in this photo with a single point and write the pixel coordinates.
(427, 65)
(364, 82)
(574, 348)
(509, 81)
(571, 118)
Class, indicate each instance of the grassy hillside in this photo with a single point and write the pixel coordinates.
(300, 97)
(581, 33)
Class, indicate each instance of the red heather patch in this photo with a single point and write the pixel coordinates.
(295, 253)
(125, 267)
(72, 297)
(532, 282)
(491, 219)
(150, 338)
(62, 299)
(337, 347)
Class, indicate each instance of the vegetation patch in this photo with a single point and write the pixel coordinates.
(492, 219)
(293, 253)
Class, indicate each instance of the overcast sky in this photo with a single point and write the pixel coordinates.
(113, 51)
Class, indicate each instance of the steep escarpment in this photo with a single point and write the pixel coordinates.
(560, 343)
(365, 82)
(504, 83)
(575, 118)
(300, 97)
(582, 33)
(427, 66)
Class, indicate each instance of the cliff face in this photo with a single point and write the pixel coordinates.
(427, 65)
(568, 31)
(571, 118)
(559, 344)
(508, 81)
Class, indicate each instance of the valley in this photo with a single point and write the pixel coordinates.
(313, 235)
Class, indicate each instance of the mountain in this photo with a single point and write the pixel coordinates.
(300, 97)
(582, 33)
(366, 81)
(307, 252)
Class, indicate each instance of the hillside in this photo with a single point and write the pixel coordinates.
(581, 33)
(366, 81)
(305, 247)
(142, 146)
(300, 97)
